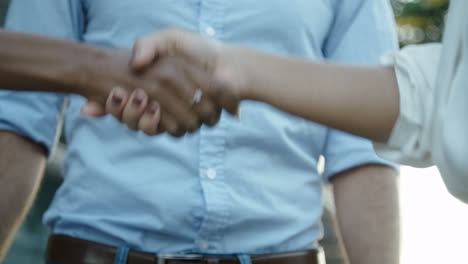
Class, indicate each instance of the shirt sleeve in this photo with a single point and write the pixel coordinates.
(344, 151)
(31, 114)
(416, 70)
(361, 33)
(450, 147)
(450, 142)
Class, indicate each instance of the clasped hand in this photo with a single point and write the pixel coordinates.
(174, 82)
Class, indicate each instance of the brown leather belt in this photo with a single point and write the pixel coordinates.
(67, 250)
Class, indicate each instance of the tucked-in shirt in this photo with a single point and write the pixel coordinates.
(249, 186)
(432, 127)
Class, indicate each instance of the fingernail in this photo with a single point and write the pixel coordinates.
(118, 96)
(116, 99)
(137, 101)
(138, 98)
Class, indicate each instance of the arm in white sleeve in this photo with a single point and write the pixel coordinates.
(432, 127)
(416, 71)
(450, 144)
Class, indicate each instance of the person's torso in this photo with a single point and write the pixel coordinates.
(243, 186)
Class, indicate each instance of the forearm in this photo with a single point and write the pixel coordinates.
(36, 63)
(21, 164)
(367, 207)
(359, 100)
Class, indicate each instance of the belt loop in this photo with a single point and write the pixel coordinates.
(244, 259)
(121, 256)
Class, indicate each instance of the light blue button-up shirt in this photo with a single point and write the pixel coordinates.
(248, 186)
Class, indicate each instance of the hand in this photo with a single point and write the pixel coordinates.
(162, 102)
(225, 84)
(222, 84)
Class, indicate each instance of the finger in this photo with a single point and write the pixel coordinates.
(208, 110)
(169, 124)
(183, 88)
(93, 109)
(171, 74)
(149, 122)
(187, 120)
(145, 50)
(135, 108)
(184, 78)
(143, 54)
(116, 102)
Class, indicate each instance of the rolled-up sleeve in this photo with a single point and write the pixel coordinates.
(344, 152)
(32, 115)
(410, 142)
(36, 115)
(432, 128)
(361, 33)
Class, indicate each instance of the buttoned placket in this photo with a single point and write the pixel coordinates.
(212, 149)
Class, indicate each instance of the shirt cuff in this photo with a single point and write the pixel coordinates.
(410, 140)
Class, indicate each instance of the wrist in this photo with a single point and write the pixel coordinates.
(102, 71)
(237, 71)
(89, 70)
(77, 74)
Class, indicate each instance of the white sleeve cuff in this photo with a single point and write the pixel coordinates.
(410, 141)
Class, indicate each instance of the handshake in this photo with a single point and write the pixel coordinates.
(173, 82)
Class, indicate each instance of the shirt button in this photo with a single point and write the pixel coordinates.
(209, 31)
(211, 174)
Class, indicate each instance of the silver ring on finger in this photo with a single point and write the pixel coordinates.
(197, 96)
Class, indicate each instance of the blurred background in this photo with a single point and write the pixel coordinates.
(434, 223)
(420, 21)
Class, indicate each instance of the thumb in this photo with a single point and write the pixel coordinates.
(175, 42)
(144, 53)
(92, 109)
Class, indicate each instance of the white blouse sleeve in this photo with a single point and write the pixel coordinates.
(416, 70)
(450, 139)
(433, 124)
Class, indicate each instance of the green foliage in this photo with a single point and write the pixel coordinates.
(420, 21)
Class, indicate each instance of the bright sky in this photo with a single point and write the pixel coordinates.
(435, 225)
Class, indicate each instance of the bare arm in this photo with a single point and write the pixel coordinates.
(367, 207)
(360, 100)
(22, 164)
(36, 63)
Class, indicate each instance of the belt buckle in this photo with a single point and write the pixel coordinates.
(162, 258)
